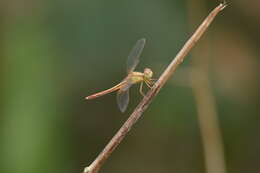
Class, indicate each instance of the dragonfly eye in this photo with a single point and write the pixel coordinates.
(148, 73)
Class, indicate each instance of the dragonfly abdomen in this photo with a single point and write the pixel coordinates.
(117, 87)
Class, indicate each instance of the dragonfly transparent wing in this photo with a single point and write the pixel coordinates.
(133, 57)
(123, 97)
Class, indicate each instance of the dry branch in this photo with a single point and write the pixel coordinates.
(142, 106)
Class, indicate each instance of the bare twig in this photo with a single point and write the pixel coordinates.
(142, 106)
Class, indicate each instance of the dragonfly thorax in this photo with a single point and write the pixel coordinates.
(136, 77)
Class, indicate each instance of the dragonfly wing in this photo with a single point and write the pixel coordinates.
(133, 57)
(123, 98)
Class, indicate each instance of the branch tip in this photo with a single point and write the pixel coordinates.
(223, 5)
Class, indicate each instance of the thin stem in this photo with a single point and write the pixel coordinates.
(204, 98)
(142, 106)
(208, 123)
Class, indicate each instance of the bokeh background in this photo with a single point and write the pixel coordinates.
(56, 52)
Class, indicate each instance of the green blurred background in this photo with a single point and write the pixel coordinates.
(54, 53)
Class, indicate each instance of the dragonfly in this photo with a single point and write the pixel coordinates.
(133, 77)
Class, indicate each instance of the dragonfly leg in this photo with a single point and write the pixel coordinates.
(148, 83)
(141, 89)
(153, 81)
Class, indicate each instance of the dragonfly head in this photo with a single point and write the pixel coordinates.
(148, 73)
